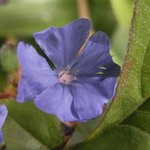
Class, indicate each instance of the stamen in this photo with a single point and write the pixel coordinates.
(66, 76)
(101, 67)
(100, 73)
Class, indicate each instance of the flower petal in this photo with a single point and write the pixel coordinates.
(26, 90)
(95, 53)
(1, 136)
(61, 44)
(90, 93)
(36, 73)
(105, 85)
(87, 100)
(3, 115)
(56, 100)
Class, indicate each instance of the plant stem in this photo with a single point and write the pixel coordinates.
(83, 8)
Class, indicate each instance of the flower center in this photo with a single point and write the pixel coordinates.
(66, 76)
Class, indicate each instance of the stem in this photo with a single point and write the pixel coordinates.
(68, 129)
(83, 8)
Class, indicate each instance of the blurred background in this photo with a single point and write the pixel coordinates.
(19, 19)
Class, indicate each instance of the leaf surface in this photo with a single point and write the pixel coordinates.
(26, 127)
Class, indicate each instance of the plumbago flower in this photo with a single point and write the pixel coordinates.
(84, 78)
(3, 115)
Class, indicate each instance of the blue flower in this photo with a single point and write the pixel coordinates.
(3, 115)
(84, 78)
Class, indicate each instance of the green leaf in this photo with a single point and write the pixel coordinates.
(27, 127)
(118, 138)
(122, 10)
(145, 74)
(83, 130)
(145, 106)
(118, 47)
(128, 95)
(139, 119)
(26, 17)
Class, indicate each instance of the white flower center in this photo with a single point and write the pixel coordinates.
(66, 76)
